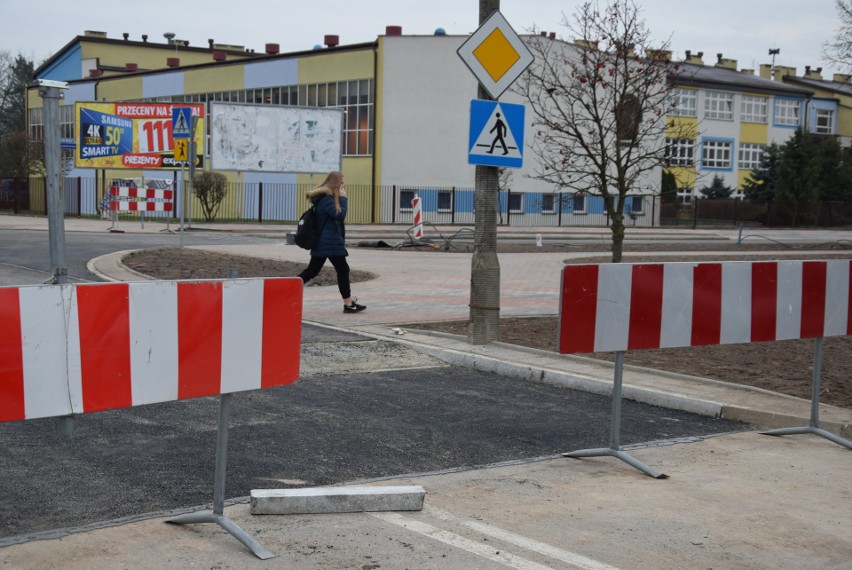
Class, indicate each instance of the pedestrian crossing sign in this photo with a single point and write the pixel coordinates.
(496, 134)
(181, 117)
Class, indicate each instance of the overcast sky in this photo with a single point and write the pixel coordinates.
(743, 30)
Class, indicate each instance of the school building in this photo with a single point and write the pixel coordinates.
(407, 108)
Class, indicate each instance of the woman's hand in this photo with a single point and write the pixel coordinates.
(342, 191)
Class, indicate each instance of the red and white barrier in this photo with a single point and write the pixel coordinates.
(129, 198)
(71, 349)
(417, 206)
(621, 306)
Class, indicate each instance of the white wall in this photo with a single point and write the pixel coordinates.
(425, 98)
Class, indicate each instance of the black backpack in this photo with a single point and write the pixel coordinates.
(307, 230)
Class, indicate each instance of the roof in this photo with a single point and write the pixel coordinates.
(712, 77)
(838, 87)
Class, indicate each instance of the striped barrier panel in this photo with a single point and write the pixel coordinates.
(72, 349)
(129, 198)
(622, 306)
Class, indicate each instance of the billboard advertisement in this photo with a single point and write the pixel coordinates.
(267, 138)
(131, 135)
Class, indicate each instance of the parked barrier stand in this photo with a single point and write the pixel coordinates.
(417, 206)
(80, 348)
(620, 307)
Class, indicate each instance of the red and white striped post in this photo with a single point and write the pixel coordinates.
(417, 206)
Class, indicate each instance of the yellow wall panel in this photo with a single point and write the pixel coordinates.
(126, 89)
(682, 127)
(342, 66)
(225, 78)
(757, 133)
(684, 176)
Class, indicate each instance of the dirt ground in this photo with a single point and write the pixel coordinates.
(779, 366)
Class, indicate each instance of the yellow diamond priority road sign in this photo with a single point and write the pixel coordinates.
(495, 54)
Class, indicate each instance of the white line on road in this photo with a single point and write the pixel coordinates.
(461, 542)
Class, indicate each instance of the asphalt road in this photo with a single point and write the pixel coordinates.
(320, 431)
(25, 254)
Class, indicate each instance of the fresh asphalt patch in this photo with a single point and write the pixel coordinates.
(327, 428)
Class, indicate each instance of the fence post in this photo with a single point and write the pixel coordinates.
(259, 201)
(735, 210)
(79, 198)
(654, 208)
(695, 212)
(393, 204)
(453, 208)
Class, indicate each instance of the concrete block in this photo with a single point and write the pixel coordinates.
(322, 500)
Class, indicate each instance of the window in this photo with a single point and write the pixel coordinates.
(635, 205)
(405, 198)
(682, 102)
(679, 152)
(749, 156)
(719, 105)
(753, 109)
(716, 154)
(355, 98)
(445, 201)
(824, 121)
(516, 203)
(578, 203)
(684, 195)
(787, 112)
(548, 203)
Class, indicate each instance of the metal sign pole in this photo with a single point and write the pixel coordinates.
(813, 426)
(615, 430)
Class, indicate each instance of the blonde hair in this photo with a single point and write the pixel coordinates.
(333, 182)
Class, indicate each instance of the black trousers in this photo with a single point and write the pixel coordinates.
(340, 266)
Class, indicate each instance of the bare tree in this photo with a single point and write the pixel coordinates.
(599, 107)
(839, 50)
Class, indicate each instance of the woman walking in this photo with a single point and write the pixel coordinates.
(331, 203)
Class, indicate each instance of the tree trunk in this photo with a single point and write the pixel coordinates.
(617, 228)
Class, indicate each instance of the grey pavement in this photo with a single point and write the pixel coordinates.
(732, 501)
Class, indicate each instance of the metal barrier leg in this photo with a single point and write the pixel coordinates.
(813, 426)
(217, 516)
(615, 429)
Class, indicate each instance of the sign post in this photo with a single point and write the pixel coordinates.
(496, 56)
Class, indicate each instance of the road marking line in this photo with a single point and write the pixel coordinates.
(460, 542)
(554, 552)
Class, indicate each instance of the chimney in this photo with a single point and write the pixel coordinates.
(747, 71)
(126, 36)
(210, 42)
(145, 38)
(219, 55)
(272, 49)
(95, 73)
(130, 67)
(694, 59)
(725, 63)
(331, 41)
(842, 78)
(552, 35)
(660, 54)
(765, 71)
(592, 45)
(173, 61)
(544, 35)
(393, 30)
(813, 74)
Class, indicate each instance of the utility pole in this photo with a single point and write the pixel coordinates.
(51, 93)
(485, 267)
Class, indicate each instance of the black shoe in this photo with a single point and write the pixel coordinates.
(354, 307)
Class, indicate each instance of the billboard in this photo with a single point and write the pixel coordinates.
(265, 138)
(131, 135)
